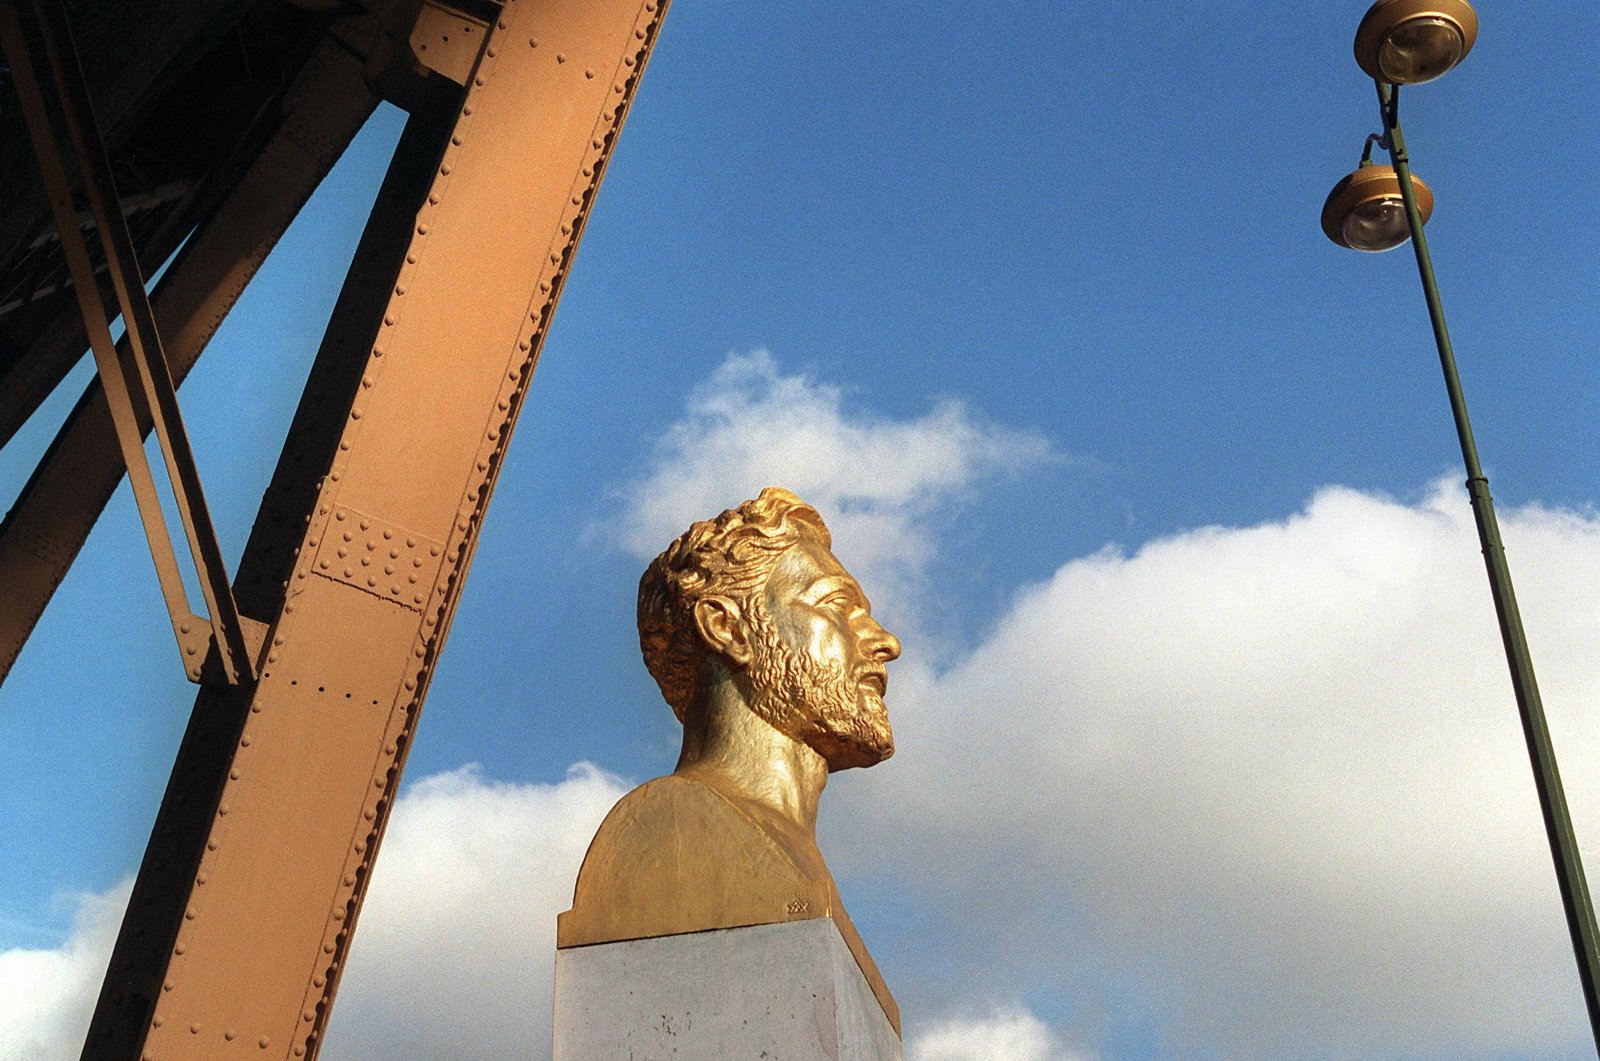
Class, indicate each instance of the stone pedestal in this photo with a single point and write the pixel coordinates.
(790, 991)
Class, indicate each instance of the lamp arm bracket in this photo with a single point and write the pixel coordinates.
(1375, 140)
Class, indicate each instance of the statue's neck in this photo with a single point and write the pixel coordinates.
(728, 746)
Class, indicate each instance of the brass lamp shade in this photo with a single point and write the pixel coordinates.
(1407, 42)
(1366, 213)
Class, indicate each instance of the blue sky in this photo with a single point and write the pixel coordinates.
(1206, 746)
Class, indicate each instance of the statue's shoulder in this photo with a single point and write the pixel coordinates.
(677, 855)
(659, 808)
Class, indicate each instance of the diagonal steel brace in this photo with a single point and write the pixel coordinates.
(235, 653)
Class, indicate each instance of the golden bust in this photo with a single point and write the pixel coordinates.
(766, 648)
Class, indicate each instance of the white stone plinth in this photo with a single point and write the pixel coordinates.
(790, 992)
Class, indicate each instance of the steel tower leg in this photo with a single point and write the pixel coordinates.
(242, 916)
(44, 530)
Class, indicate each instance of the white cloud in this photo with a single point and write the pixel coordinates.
(47, 994)
(881, 484)
(456, 946)
(457, 942)
(1002, 1035)
(1264, 786)
(1261, 789)
(1252, 792)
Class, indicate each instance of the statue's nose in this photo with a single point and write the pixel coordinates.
(881, 644)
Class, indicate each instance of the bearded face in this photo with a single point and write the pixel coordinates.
(816, 701)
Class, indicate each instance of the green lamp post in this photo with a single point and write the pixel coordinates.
(1376, 208)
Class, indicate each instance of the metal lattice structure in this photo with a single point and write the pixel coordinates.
(315, 660)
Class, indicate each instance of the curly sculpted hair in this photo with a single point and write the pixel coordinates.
(730, 556)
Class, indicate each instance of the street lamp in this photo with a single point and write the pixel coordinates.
(1409, 42)
(1367, 212)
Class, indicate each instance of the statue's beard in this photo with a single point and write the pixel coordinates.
(817, 703)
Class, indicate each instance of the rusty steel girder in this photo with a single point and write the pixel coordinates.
(248, 896)
(40, 537)
(145, 372)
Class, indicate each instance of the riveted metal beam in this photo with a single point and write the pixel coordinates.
(205, 762)
(323, 109)
(94, 168)
(243, 915)
(150, 361)
(447, 40)
(60, 343)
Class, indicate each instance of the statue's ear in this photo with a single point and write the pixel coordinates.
(723, 629)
